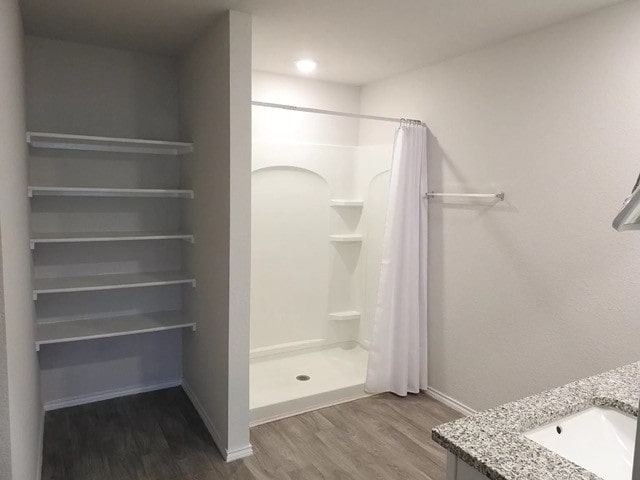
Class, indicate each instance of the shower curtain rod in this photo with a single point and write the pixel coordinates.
(332, 112)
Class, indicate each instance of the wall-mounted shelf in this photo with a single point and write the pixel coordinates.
(337, 202)
(75, 330)
(109, 282)
(345, 316)
(107, 192)
(345, 238)
(40, 238)
(106, 144)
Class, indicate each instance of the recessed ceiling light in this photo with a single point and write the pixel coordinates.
(306, 65)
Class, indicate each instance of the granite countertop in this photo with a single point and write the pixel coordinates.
(493, 443)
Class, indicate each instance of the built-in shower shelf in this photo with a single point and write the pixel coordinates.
(338, 202)
(107, 192)
(109, 282)
(106, 144)
(38, 238)
(73, 330)
(345, 316)
(346, 238)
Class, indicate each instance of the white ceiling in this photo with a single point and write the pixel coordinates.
(353, 41)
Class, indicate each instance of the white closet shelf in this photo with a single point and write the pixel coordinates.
(109, 282)
(37, 238)
(106, 144)
(339, 202)
(346, 238)
(73, 330)
(344, 316)
(107, 192)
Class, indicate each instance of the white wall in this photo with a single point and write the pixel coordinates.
(239, 231)
(216, 109)
(290, 258)
(285, 126)
(373, 172)
(20, 425)
(538, 290)
(83, 89)
(5, 424)
(301, 161)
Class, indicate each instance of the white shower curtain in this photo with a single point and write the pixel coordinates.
(398, 355)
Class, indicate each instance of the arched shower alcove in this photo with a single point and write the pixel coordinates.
(289, 258)
(315, 209)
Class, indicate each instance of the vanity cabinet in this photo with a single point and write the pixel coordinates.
(459, 470)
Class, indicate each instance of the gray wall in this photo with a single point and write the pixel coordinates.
(239, 229)
(538, 290)
(5, 424)
(216, 94)
(20, 391)
(83, 89)
(89, 90)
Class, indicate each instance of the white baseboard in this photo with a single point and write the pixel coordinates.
(108, 394)
(205, 418)
(238, 453)
(450, 402)
(40, 445)
(228, 455)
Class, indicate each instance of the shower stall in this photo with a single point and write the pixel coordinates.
(318, 211)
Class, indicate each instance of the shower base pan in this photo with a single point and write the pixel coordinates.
(289, 384)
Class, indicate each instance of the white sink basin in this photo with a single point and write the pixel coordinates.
(598, 439)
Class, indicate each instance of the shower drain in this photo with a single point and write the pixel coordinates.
(303, 378)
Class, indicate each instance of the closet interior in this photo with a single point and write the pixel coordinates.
(131, 188)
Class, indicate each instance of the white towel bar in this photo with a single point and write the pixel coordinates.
(499, 195)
